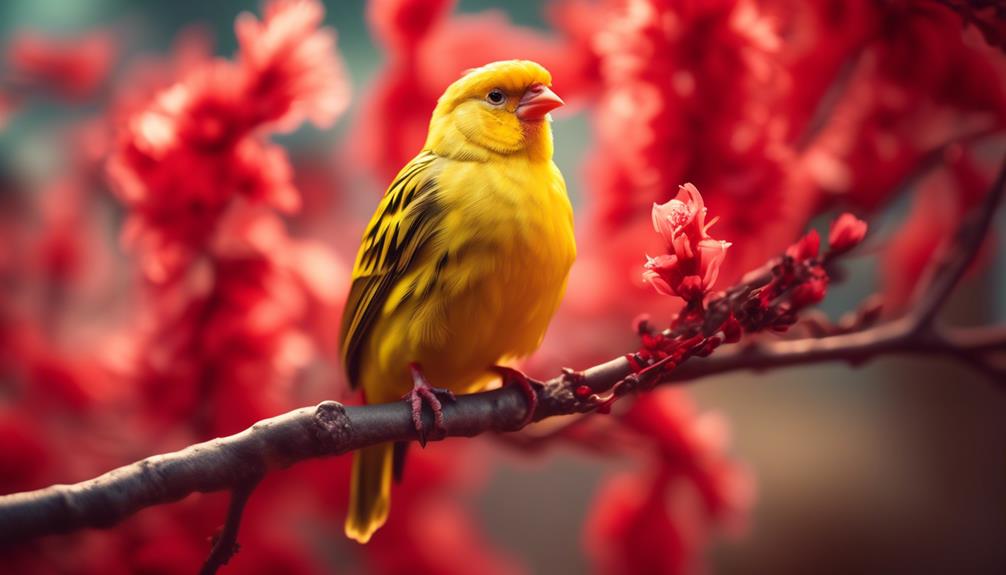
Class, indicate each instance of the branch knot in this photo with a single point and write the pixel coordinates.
(332, 422)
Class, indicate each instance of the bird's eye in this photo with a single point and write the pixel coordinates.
(496, 97)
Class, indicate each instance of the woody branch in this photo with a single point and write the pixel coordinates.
(236, 463)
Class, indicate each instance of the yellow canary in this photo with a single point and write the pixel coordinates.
(462, 265)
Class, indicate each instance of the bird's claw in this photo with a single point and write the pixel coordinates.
(511, 376)
(423, 392)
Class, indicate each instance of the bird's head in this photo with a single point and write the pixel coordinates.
(500, 108)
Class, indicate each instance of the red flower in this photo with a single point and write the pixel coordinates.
(239, 316)
(631, 529)
(683, 216)
(402, 24)
(233, 292)
(688, 92)
(187, 154)
(881, 132)
(806, 248)
(24, 453)
(178, 200)
(74, 68)
(847, 231)
(652, 521)
(692, 270)
(695, 445)
(809, 292)
(290, 64)
(430, 531)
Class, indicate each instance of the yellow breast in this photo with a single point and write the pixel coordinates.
(506, 246)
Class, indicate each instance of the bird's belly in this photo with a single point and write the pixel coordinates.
(506, 312)
(492, 302)
(501, 279)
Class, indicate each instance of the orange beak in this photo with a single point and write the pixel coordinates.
(537, 102)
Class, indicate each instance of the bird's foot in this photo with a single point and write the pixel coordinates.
(511, 376)
(423, 392)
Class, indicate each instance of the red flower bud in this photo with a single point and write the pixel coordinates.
(806, 247)
(847, 231)
(809, 292)
(684, 215)
(731, 330)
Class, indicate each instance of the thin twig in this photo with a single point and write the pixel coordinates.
(572, 429)
(892, 338)
(947, 271)
(227, 543)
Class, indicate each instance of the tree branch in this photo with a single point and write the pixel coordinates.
(894, 338)
(226, 463)
(331, 429)
(238, 462)
(958, 256)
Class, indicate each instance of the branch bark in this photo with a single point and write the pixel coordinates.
(241, 459)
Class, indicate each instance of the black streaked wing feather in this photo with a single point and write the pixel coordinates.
(403, 224)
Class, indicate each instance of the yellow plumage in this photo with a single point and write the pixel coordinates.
(464, 262)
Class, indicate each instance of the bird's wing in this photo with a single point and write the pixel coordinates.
(405, 221)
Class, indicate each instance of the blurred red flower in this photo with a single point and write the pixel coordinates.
(688, 92)
(806, 248)
(658, 519)
(194, 168)
(289, 65)
(846, 232)
(25, 456)
(187, 153)
(911, 86)
(72, 68)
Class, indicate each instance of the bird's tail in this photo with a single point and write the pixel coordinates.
(370, 491)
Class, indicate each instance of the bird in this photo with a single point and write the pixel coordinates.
(461, 267)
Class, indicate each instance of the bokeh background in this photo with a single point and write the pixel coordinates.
(894, 466)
